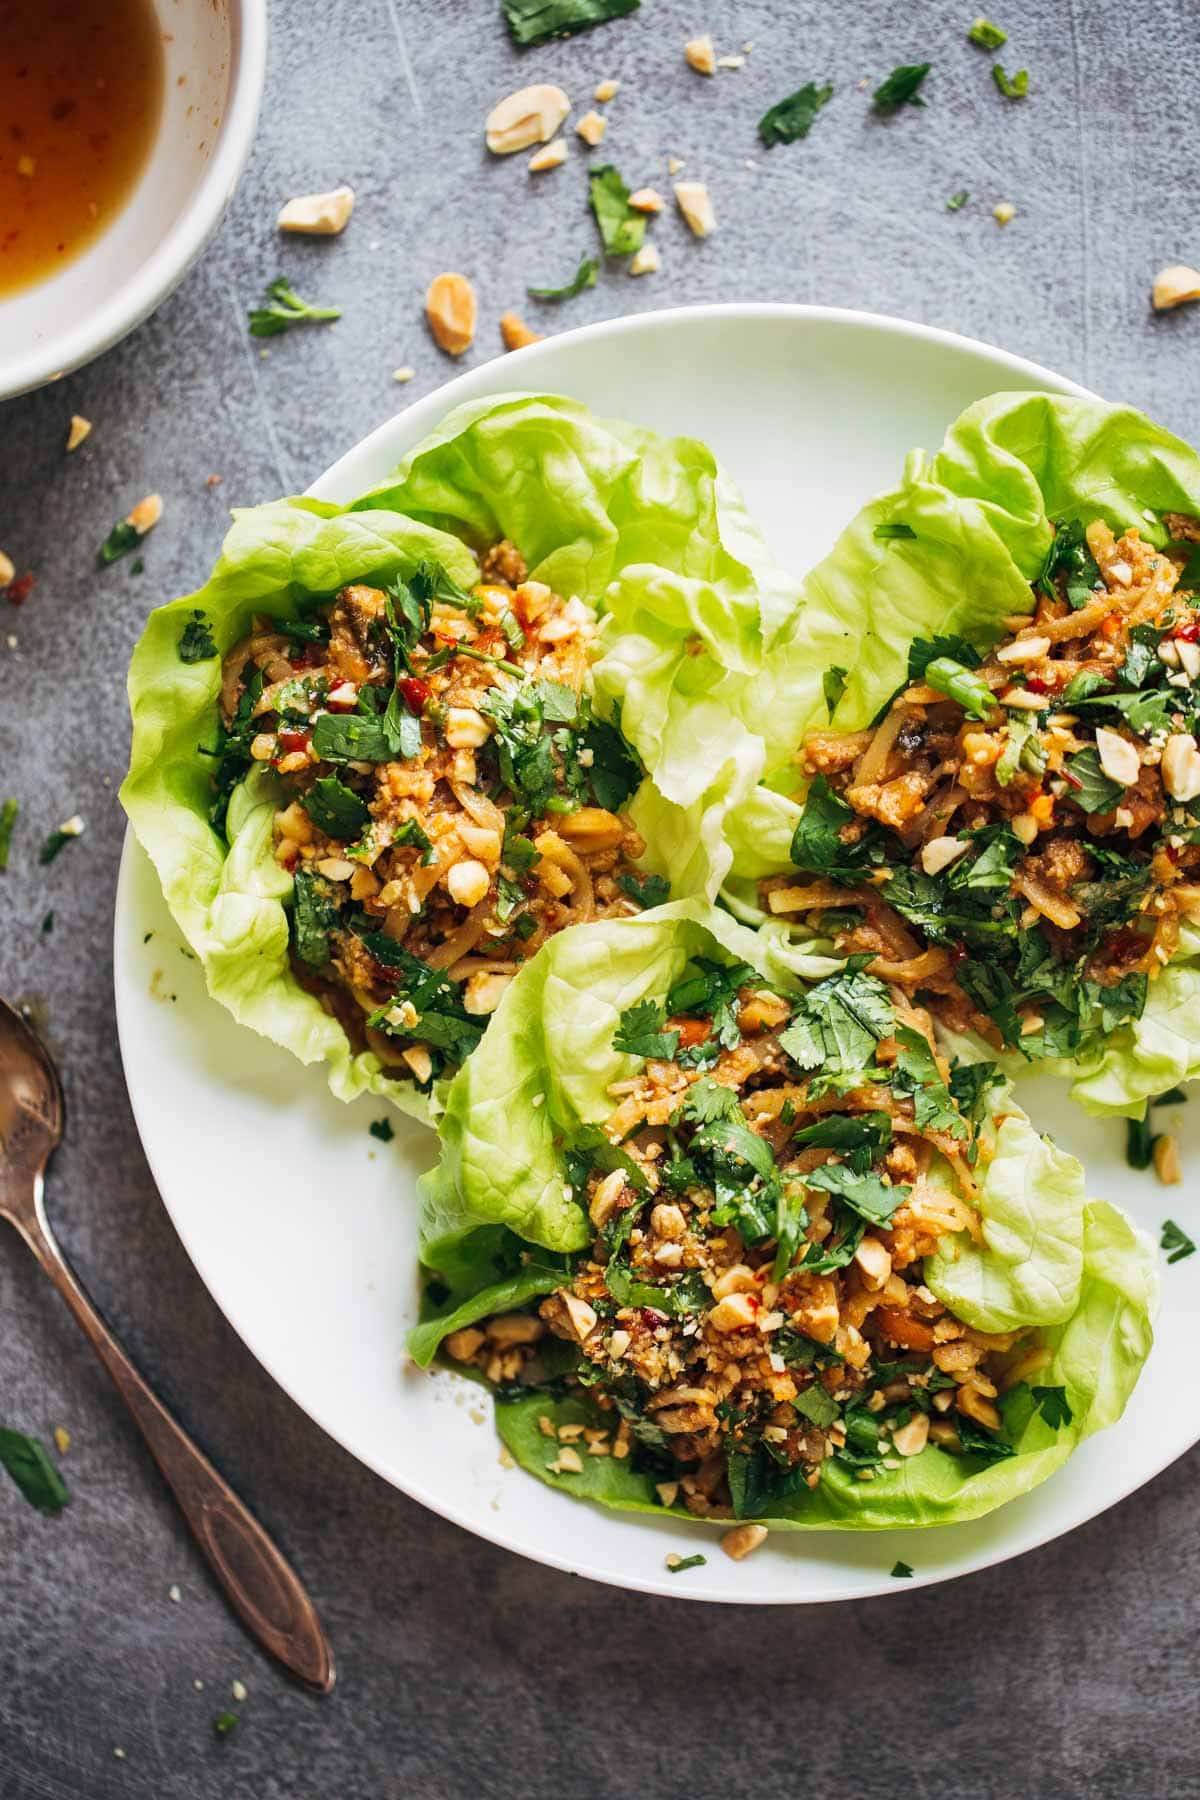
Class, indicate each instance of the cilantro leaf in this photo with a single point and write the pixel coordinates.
(621, 228)
(1175, 1241)
(196, 641)
(870, 1131)
(1054, 1406)
(381, 1129)
(583, 278)
(412, 836)
(901, 1571)
(28, 1462)
(818, 1406)
(900, 88)
(1069, 557)
(314, 914)
(867, 1194)
(917, 1072)
(839, 1021)
(120, 541)
(442, 1020)
(707, 1101)
(1090, 786)
(334, 808)
(640, 1032)
(533, 21)
(817, 842)
(284, 309)
(355, 737)
(647, 890)
(710, 990)
(791, 119)
(833, 686)
(957, 201)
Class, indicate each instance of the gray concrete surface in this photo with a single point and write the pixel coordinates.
(465, 1671)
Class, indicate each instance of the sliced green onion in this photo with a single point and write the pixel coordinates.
(959, 683)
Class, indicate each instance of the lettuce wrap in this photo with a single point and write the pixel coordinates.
(586, 503)
(944, 560)
(1032, 1269)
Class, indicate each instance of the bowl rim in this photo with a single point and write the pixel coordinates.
(169, 262)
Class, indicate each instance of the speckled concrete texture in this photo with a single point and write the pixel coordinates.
(464, 1671)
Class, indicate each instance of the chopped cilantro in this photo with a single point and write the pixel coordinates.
(225, 1723)
(1013, 87)
(900, 88)
(818, 844)
(901, 1571)
(793, 118)
(833, 686)
(28, 1462)
(640, 1032)
(583, 278)
(533, 21)
(1175, 1241)
(285, 308)
(710, 989)
(335, 809)
(442, 1022)
(1090, 786)
(917, 1072)
(957, 201)
(867, 1194)
(621, 228)
(381, 1129)
(65, 834)
(314, 914)
(411, 836)
(838, 1022)
(8, 819)
(869, 1131)
(48, 923)
(1069, 556)
(1054, 1406)
(196, 641)
(120, 541)
(647, 890)
(816, 1405)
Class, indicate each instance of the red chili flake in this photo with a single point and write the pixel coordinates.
(1071, 779)
(1172, 852)
(650, 1318)
(17, 592)
(1189, 632)
(415, 691)
(958, 953)
(293, 740)
(1036, 685)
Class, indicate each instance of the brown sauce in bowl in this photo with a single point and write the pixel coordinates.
(81, 89)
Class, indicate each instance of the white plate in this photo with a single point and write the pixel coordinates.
(302, 1225)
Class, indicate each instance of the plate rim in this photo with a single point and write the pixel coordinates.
(412, 418)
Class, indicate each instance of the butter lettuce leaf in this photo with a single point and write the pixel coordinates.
(543, 1072)
(589, 504)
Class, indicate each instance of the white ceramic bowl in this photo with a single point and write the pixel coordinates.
(214, 65)
(812, 410)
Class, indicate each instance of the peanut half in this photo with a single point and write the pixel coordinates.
(530, 116)
(450, 309)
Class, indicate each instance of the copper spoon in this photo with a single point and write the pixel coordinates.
(263, 1589)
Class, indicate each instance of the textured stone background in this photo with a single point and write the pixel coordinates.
(463, 1670)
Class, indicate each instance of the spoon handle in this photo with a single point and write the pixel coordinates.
(261, 1586)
